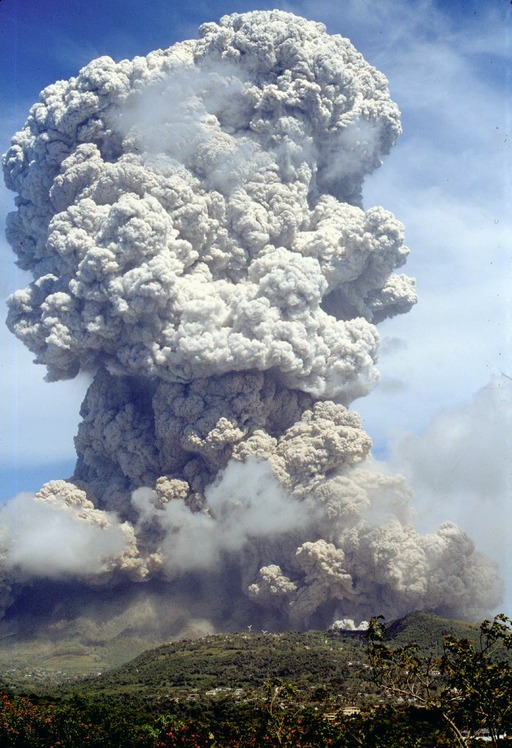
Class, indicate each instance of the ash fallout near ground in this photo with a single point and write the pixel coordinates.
(194, 224)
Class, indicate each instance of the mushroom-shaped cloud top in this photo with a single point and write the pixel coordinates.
(198, 211)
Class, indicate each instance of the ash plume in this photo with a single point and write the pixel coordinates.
(194, 225)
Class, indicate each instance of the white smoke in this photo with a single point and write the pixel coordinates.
(347, 624)
(57, 533)
(193, 222)
(246, 503)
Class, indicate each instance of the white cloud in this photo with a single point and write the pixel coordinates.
(461, 469)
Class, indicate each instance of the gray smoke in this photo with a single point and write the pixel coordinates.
(193, 222)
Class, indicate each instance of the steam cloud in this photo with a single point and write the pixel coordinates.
(193, 222)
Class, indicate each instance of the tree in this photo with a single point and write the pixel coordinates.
(409, 676)
(470, 685)
(480, 677)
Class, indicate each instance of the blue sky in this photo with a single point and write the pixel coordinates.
(442, 409)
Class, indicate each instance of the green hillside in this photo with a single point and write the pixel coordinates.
(230, 662)
(255, 690)
(427, 631)
(239, 663)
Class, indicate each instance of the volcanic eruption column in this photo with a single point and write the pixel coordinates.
(194, 225)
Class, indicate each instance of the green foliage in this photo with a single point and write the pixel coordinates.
(470, 685)
(286, 690)
(228, 662)
(22, 723)
(480, 678)
(403, 670)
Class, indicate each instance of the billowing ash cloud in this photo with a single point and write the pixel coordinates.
(194, 225)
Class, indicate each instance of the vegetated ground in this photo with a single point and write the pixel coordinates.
(239, 664)
(247, 689)
(25, 661)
